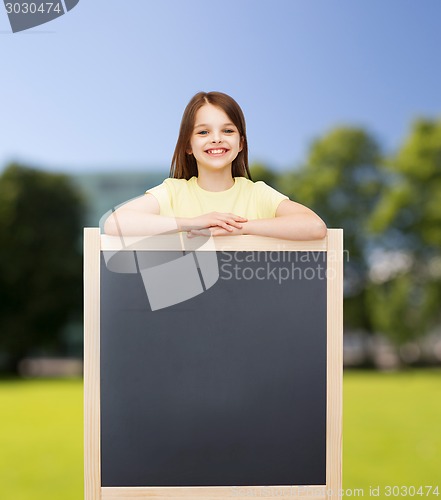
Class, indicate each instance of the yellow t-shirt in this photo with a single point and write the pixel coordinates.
(184, 198)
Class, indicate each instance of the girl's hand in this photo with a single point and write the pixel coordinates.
(216, 220)
(214, 231)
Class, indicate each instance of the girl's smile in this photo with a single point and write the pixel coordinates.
(217, 152)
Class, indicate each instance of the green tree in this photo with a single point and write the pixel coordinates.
(40, 261)
(409, 218)
(410, 205)
(260, 172)
(341, 182)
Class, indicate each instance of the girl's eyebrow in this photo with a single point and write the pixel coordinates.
(205, 125)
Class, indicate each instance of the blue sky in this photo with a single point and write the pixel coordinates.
(104, 86)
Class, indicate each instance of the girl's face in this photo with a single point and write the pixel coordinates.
(215, 141)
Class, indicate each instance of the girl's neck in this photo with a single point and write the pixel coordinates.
(215, 181)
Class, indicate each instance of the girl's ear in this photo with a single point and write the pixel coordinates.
(241, 144)
(189, 151)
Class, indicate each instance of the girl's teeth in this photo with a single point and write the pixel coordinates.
(216, 151)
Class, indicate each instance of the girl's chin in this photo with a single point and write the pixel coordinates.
(211, 167)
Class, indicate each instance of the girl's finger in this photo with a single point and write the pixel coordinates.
(227, 223)
(237, 217)
(235, 224)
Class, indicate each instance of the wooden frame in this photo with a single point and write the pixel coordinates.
(94, 242)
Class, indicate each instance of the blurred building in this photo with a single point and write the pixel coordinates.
(103, 191)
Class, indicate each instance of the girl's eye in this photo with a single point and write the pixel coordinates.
(229, 131)
(202, 132)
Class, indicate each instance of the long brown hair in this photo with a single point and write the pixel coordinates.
(184, 165)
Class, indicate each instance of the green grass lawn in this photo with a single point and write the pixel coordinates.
(392, 435)
(41, 440)
(392, 430)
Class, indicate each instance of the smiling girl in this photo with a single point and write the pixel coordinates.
(209, 190)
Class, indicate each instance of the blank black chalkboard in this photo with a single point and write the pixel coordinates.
(227, 388)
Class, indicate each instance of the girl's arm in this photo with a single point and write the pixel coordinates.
(293, 221)
(140, 217)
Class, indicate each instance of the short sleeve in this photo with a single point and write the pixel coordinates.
(161, 193)
(268, 199)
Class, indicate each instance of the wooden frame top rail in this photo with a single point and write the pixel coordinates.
(180, 242)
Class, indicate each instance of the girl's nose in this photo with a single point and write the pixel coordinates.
(216, 137)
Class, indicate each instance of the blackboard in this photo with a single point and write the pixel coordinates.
(228, 388)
